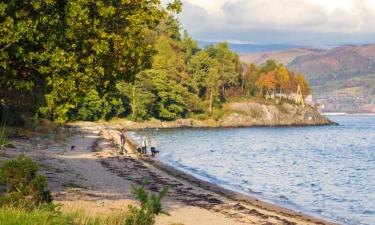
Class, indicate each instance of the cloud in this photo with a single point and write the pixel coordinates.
(307, 22)
(281, 13)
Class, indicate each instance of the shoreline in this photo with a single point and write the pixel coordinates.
(127, 125)
(347, 114)
(231, 194)
(95, 178)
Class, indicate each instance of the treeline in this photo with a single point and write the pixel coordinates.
(90, 60)
(185, 80)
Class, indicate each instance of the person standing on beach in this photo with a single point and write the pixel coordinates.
(153, 147)
(122, 143)
(144, 145)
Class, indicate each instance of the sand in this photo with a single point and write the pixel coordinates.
(95, 178)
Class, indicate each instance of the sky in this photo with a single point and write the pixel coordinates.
(297, 22)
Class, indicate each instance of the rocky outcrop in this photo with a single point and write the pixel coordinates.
(255, 114)
(244, 114)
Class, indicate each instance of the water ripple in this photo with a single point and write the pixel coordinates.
(323, 171)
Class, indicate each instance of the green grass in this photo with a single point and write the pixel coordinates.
(12, 216)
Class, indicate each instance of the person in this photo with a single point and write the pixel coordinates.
(153, 147)
(122, 143)
(144, 145)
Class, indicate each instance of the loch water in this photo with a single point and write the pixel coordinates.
(323, 171)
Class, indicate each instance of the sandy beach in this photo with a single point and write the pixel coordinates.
(95, 178)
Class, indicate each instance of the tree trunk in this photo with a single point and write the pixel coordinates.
(134, 108)
(210, 109)
(281, 91)
(243, 81)
(223, 92)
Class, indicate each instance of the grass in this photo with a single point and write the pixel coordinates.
(16, 216)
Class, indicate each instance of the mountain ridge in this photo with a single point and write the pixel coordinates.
(342, 78)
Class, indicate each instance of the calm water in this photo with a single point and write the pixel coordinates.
(328, 172)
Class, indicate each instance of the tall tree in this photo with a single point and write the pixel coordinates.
(283, 78)
(301, 81)
(67, 48)
(230, 68)
(267, 81)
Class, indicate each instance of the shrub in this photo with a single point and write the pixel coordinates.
(150, 206)
(3, 117)
(24, 187)
(92, 107)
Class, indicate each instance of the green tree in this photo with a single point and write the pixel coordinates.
(230, 69)
(206, 73)
(67, 48)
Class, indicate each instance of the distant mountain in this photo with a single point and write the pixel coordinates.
(281, 56)
(252, 48)
(340, 63)
(342, 78)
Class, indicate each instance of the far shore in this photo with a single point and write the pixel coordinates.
(347, 114)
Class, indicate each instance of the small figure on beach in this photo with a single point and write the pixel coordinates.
(72, 148)
(144, 145)
(153, 147)
(122, 143)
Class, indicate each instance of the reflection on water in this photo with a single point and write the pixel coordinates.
(324, 171)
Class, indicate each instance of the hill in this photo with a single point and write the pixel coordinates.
(342, 63)
(252, 48)
(342, 78)
(281, 56)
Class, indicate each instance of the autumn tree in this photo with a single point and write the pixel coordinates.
(301, 81)
(283, 78)
(267, 81)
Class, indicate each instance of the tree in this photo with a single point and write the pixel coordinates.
(267, 81)
(251, 74)
(67, 48)
(230, 69)
(305, 88)
(212, 84)
(283, 78)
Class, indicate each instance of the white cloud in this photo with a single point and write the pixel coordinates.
(331, 21)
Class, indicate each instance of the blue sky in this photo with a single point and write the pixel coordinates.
(302, 22)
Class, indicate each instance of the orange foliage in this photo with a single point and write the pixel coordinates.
(267, 81)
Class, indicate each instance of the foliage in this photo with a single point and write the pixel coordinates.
(91, 60)
(65, 50)
(93, 107)
(19, 216)
(277, 78)
(267, 81)
(3, 117)
(149, 208)
(301, 81)
(24, 186)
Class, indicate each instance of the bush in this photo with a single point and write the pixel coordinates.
(24, 187)
(3, 118)
(150, 206)
(93, 107)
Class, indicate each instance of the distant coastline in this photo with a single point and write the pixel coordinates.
(347, 114)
